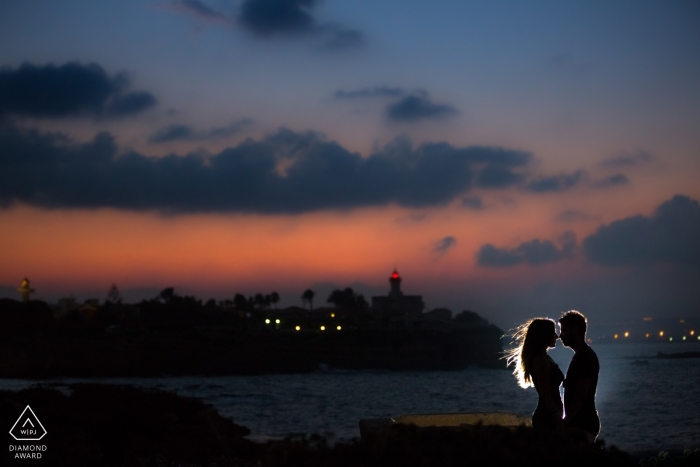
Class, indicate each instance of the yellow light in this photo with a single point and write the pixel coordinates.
(670, 339)
(267, 321)
(683, 337)
(699, 338)
(298, 328)
(338, 328)
(692, 333)
(646, 335)
(323, 328)
(661, 334)
(277, 321)
(627, 334)
(615, 336)
(332, 315)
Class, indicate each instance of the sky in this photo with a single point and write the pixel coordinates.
(517, 159)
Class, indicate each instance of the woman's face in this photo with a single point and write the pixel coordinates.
(553, 338)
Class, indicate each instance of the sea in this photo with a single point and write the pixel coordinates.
(646, 404)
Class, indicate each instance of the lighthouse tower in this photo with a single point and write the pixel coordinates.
(25, 290)
(395, 281)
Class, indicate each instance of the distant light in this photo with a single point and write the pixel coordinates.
(627, 334)
(683, 337)
(699, 338)
(682, 321)
(590, 340)
(661, 334)
(298, 328)
(332, 315)
(323, 328)
(267, 321)
(670, 339)
(646, 335)
(395, 275)
(339, 328)
(277, 321)
(647, 318)
(692, 333)
(615, 336)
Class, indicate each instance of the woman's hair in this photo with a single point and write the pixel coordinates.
(528, 339)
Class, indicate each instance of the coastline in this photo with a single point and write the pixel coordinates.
(120, 425)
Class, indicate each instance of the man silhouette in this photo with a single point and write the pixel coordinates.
(581, 416)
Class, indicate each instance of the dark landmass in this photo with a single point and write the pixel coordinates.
(122, 426)
(678, 355)
(176, 341)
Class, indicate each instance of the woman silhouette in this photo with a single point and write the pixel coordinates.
(533, 367)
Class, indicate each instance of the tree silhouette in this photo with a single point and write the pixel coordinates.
(259, 300)
(113, 295)
(167, 294)
(348, 299)
(240, 302)
(274, 298)
(308, 296)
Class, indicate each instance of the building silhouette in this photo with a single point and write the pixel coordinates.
(397, 309)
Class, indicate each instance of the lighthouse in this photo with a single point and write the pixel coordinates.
(25, 290)
(395, 281)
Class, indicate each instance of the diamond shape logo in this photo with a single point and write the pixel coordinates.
(28, 427)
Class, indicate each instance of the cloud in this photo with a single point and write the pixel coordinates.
(417, 107)
(613, 180)
(627, 160)
(556, 182)
(473, 202)
(285, 172)
(267, 17)
(197, 9)
(443, 245)
(180, 132)
(534, 252)
(377, 91)
(669, 235)
(68, 90)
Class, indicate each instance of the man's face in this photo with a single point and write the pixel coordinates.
(567, 334)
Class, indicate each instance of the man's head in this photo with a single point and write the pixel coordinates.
(573, 328)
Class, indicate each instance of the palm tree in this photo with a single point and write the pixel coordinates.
(308, 296)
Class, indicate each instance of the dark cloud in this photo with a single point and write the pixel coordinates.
(670, 235)
(496, 175)
(473, 202)
(377, 91)
(557, 182)
(286, 172)
(534, 252)
(443, 245)
(627, 160)
(68, 90)
(179, 132)
(268, 17)
(613, 180)
(418, 107)
(197, 9)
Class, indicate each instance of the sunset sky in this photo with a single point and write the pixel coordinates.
(513, 158)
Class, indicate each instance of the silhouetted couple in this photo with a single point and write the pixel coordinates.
(577, 415)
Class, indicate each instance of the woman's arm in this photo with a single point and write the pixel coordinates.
(540, 377)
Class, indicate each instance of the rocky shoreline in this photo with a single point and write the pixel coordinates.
(111, 425)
